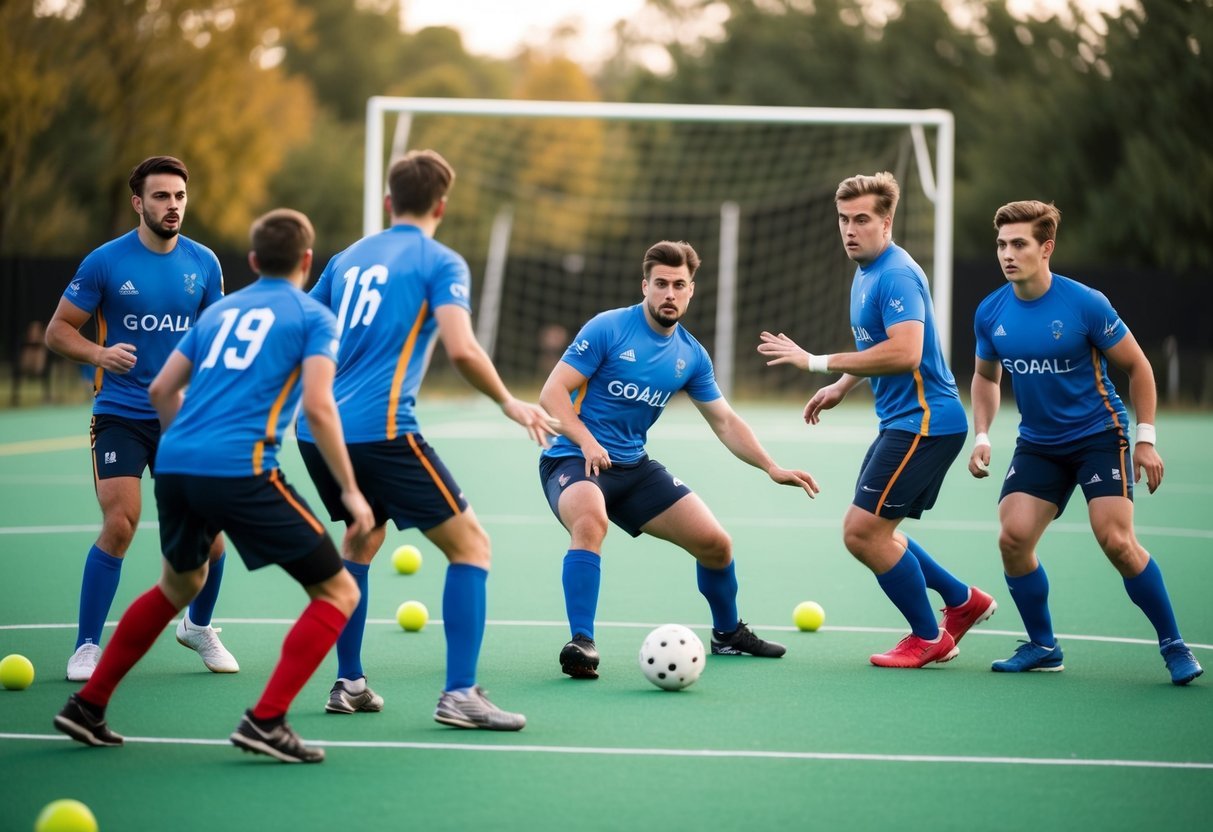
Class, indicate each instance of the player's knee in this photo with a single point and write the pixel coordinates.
(1012, 545)
(342, 592)
(118, 530)
(857, 540)
(589, 530)
(1120, 547)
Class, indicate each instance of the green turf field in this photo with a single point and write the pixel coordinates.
(817, 739)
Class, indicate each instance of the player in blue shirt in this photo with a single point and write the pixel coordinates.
(922, 422)
(144, 290)
(1054, 337)
(393, 293)
(245, 363)
(612, 384)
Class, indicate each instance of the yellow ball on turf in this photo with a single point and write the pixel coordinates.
(406, 559)
(16, 672)
(66, 816)
(412, 615)
(808, 616)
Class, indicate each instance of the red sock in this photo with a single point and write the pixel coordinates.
(137, 631)
(305, 647)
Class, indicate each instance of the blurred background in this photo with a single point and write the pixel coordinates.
(1102, 107)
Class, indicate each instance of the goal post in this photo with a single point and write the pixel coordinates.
(555, 203)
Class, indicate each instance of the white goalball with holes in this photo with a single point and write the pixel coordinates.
(672, 657)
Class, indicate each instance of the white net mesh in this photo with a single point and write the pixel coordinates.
(554, 216)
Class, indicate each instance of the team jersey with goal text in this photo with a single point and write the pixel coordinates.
(1053, 350)
(140, 297)
(247, 353)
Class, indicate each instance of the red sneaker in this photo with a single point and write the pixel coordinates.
(914, 651)
(958, 620)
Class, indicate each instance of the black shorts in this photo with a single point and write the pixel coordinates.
(635, 492)
(263, 516)
(403, 480)
(123, 447)
(903, 472)
(1099, 463)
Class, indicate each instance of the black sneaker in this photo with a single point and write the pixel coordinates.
(281, 742)
(742, 640)
(579, 658)
(77, 721)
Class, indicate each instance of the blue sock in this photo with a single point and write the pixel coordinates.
(953, 591)
(463, 614)
(1031, 595)
(1149, 592)
(582, 576)
(97, 591)
(719, 586)
(203, 606)
(349, 643)
(907, 589)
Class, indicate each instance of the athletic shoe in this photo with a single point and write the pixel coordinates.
(1030, 656)
(1180, 661)
(342, 700)
(914, 651)
(83, 662)
(472, 709)
(205, 641)
(742, 640)
(281, 742)
(78, 722)
(977, 608)
(579, 658)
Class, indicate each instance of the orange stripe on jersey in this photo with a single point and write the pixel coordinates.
(897, 473)
(92, 446)
(921, 387)
(272, 421)
(99, 374)
(402, 366)
(579, 399)
(299, 507)
(451, 501)
(1120, 429)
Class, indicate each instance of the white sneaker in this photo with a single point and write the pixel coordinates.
(205, 641)
(472, 709)
(83, 662)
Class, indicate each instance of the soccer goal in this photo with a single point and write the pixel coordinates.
(555, 203)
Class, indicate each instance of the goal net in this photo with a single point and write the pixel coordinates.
(555, 203)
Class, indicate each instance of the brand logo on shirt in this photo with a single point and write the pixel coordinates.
(861, 334)
(896, 305)
(111, 457)
(128, 288)
(580, 347)
(458, 290)
(1109, 329)
(635, 393)
(1037, 366)
(1000, 332)
(156, 323)
(191, 282)
(74, 287)
(679, 366)
(863, 298)
(1056, 327)
(627, 355)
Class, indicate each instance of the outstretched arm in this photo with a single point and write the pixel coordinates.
(901, 353)
(736, 435)
(1128, 356)
(474, 364)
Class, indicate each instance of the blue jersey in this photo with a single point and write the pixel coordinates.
(247, 351)
(632, 372)
(384, 290)
(146, 299)
(1052, 348)
(890, 290)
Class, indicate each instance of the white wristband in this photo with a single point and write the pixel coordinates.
(981, 439)
(819, 363)
(1145, 433)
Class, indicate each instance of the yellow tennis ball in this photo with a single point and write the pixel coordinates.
(808, 616)
(16, 672)
(412, 615)
(65, 816)
(406, 559)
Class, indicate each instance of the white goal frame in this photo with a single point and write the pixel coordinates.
(936, 178)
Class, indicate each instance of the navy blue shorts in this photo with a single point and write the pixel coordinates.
(635, 492)
(403, 480)
(123, 447)
(1100, 463)
(263, 516)
(903, 472)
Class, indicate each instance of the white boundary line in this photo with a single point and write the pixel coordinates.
(697, 753)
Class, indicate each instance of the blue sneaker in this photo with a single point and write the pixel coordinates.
(1031, 656)
(1180, 661)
